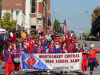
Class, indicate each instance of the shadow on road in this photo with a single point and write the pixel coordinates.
(3, 67)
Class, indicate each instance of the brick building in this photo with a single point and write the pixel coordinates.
(32, 14)
(41, 15)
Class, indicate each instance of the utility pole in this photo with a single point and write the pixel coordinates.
(87, 12)
(52, 19)
(65, 22)
(17, 12)
(12, 15)
(87, 21)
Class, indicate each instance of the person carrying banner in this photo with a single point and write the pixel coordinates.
(39, 48)
(84, 57)
(15, 55)
(64, 48)
(21, 49)
(70, 45)
(9, 66)
(92, 62)
(57, 46)
(51, 47)
(76, 48)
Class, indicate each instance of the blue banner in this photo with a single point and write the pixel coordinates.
(30, 61)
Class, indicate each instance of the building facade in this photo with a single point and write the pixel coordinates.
(96, 26)
(40, 14)
(32, 14)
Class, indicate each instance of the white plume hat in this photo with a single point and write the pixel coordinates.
(92, 45)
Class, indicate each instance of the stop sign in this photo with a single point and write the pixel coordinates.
(40, 27)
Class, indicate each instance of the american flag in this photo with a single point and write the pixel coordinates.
(65, 29)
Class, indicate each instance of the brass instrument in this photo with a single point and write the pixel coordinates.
(32, 33)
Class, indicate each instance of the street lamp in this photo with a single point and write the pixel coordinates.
(87, 12)
(53, 15)
(30, 22)
(87, 21)
(81, 35)
(12, 14)
(30, 19)
(17, 12)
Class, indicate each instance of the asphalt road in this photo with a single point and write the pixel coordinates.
(96, 71)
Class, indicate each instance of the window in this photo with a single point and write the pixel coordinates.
(33, 6)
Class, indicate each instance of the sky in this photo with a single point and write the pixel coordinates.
(74, 11)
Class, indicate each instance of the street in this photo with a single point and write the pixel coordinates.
(96, 71)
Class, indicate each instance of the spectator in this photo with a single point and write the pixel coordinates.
(23, 35)
(11, 34)
(14, 37)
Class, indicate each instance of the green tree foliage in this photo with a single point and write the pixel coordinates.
(95, 14)
(6, 23)
(56, 25)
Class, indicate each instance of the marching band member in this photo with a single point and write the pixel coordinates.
(92, 62)
(69, 37)
(45, 43)
(65, 38)
(60, 40)
(64, 48)
(25, 46)
(15, 55)
(76, 48)
(14, 37)
(58, 46)
(84, 58)
(70, 45)
(39, 48)
(21, 49)
(36, 43)
(51, 47)
(9, 67)
(31, 46)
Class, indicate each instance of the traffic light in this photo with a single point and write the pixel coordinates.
(89, 32)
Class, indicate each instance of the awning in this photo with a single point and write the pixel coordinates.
(2, 31)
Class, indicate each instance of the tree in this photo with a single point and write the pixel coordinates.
(56, 25)
(96, 13)
(6, 23)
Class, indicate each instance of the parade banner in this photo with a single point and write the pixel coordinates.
(67, 61)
